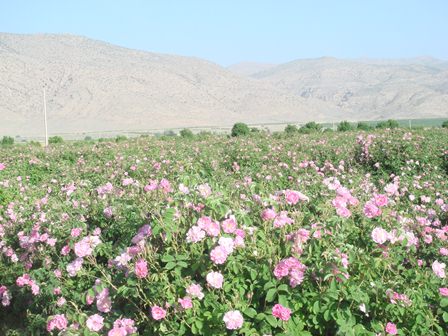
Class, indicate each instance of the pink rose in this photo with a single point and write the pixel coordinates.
(215, 279)
(141, 269)
(439, 269)
(186, 302)
(233, 320)
(158, 313)
(281, 312)
(391, 328)
(379, 235)
(95, 322)
(219, 255)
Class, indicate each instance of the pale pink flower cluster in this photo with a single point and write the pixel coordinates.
(291, 268)
(379, 235)
(186, 302)
(343, 198)
(5, 296)
(158, 313)
(95, 322)
(123, 327)
(293, 197)
(439, 269)
(141, 269)
(164, 185)
(74, 267)
(85, 246)
(58, 322)
(443, 291)
(25, 280)
(2, 166)
(391, 328)
(233, 320)
(204, 190)
(281, 312)
(195, 291)
(103, 301)
(215, 279)
(299, 238)
(373, 207)
(104, 190)
(396, 298)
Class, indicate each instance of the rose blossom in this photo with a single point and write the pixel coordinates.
(379, 235)
(233, 320)
(95, 322)
(158, 313)
(391, 328)
(215, 279)
(281, 312)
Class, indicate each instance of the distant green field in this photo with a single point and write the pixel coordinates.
(434, 122)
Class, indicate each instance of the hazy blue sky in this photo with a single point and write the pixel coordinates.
(229, 31)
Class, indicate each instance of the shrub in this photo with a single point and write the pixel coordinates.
(120, 138)
(445, 124)
(344, 126)
(7, 141)
(240, 129)
(88, 138)
(55, 140)
(387, 124)
(290, 129)
(186, 133)
(255, 130)
(310, 127)
(363, 126)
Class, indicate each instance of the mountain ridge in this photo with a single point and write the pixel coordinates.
(95, 86)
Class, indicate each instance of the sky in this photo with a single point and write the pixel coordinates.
(231, 31)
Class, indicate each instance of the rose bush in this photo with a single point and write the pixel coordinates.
(317, 234)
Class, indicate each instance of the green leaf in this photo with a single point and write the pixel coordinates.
(170, 265)
(271, 320)
(444, 302)
(271, 294)
(250, 312)
(167, 258)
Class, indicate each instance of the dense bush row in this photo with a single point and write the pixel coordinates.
(309, 234)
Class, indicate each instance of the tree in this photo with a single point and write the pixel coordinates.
(363, 126)
(7, 141)
(55, 140)
(240, 129)
(310, 127)
(388, 124)
(344, 126)
(186, 133)
(290, 129)
(445, 124)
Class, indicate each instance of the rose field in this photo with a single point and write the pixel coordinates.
(332, 233)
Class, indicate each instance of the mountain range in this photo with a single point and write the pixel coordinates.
(94, 86)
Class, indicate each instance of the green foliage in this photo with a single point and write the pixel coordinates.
(291, 129)
(310, 127)
(186, 133)
(7, 141)
(240, 129)
(445, 124)
(349, 279)
(387, 124)
(118, 138)
(363, 126)
(344, 126)
(55, 140)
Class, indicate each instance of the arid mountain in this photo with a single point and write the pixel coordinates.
(368, 89)
(95, 86)
(250, 68)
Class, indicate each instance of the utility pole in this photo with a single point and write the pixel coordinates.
(45, 120)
